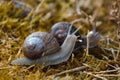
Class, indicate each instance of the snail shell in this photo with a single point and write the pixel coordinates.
(22, 8)
(26, 8)
(60, 31)
(40, 44)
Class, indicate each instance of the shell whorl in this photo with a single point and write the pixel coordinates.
(33, 47)
(60, 31)
(40, 44)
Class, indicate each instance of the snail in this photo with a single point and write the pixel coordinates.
(93, 36)
(60, 30)
(53, 58)
(22, 8)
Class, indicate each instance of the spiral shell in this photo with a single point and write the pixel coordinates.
(60, 31)
(40, 44)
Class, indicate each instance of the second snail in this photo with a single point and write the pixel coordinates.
(51, 48)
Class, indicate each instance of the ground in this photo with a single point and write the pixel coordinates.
(18, 19)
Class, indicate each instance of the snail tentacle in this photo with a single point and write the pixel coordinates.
(70, 29)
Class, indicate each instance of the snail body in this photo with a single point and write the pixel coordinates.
(55, 58)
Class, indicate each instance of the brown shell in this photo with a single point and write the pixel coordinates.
(50, 45)
(60, 31)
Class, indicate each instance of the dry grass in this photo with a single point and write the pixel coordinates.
(102, 62)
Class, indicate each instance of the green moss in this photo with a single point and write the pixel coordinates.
(16, 23)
